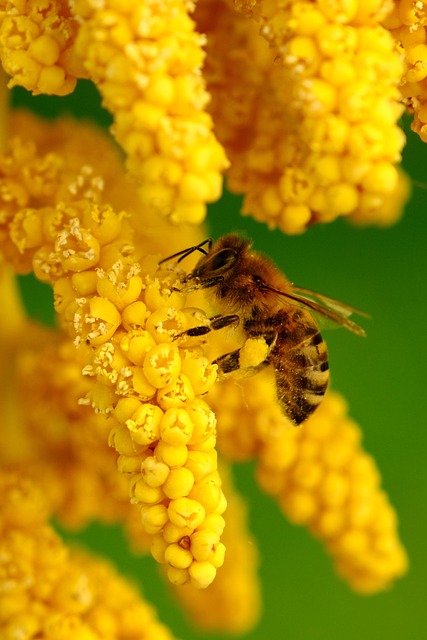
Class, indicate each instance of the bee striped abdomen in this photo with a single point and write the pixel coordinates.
(302, 374)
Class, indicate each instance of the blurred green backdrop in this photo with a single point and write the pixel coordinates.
(382, 271)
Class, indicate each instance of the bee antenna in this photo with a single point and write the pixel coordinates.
(187, 252)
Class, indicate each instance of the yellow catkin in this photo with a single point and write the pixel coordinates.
(62, 444)
(146, 60)
(36, 46)
(84, 248)
(320, 476)
(407, 24)
(305, 100)
(231, 603)
(35, 174)
(49, 591)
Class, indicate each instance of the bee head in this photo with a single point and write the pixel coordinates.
(235, 274)
(221, 260)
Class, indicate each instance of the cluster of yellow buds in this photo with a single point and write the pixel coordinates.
(408, 24)
(145, 59)
(320, 476)
(51, 592)
(308, 112)
(64, 451)
(125, 315)
(36, 46)
(304, 97)
(164, 433)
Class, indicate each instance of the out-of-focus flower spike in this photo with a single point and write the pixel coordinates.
(333, 487)
(48, 590)
(389, 210)
(63, 444)
(36, 46)
(34, 174)
(320, 476)
(308, 112)
(145, 59)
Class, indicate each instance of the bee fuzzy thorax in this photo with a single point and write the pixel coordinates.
(236, 274)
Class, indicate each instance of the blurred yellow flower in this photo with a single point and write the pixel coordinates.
(320, 476)
(232, 602)
(305, 100)
(48, 591)
(305, 97)
(145, 59)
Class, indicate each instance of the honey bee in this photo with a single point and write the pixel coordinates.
(250, 291)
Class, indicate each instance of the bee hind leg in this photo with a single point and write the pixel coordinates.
(229, 362)
(251, 358)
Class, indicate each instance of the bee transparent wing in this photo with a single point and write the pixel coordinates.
(336, 311)
(340, 307)
(330, 308)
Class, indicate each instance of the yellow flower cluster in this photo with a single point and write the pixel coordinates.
(408, 25)
(320, 476)
(232, 602)
(63, 448)
(145, 59)
(36, 45)
(66, 160)
(308, 112)
(52, 593)
(45, 169)
(125, 315)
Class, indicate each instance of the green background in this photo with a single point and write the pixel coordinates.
(383, 377)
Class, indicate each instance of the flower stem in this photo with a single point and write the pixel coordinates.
(13, 320)
(4, 109)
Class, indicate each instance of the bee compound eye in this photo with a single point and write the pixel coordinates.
(224, 259)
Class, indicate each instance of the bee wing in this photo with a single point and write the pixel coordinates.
(334, 310)
(340, 307)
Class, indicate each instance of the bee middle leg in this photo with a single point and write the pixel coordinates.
(215, 323)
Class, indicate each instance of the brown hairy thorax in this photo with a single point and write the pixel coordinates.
(241, 280)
